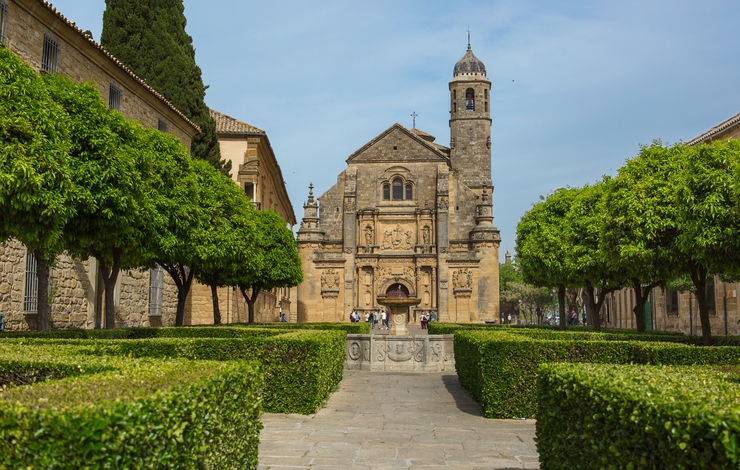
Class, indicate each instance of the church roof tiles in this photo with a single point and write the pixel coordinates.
(228, 125)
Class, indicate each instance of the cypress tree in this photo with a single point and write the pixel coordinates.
(149, 37)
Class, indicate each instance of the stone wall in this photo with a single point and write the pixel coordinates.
(73, 294)
(618, 311)
(82, 60)
(233, 307)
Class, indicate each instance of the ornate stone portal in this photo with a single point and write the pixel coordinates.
(409, 211)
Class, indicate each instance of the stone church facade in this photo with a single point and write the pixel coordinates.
(410, 214)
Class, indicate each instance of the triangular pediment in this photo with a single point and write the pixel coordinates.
(398, 144)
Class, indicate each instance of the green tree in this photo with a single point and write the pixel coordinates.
(709, 217)
(508, 276)
(35, 181)
(110, 171)
(585, 262)
(541, 247)
(179, 214)
(640, 222)
(149, 37)
(227, 241)
(273, 263)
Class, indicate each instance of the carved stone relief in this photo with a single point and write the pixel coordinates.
(330, 279)
(398, 238)
(442, 203)
(462, 279)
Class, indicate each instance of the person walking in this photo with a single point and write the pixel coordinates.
(372, 320)
(574, 318)
(432, 315)
(423, 320)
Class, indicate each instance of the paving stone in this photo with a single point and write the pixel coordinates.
(380, 420)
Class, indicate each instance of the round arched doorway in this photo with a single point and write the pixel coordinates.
(397, 291)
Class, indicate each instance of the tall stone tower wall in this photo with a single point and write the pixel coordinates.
(470, 130)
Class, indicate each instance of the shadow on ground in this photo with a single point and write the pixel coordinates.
(463, 400)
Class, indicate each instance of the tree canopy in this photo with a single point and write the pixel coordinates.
(273, 263)
(35, 176)
(149, 37)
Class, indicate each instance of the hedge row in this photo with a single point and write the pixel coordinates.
(615, 416)
(360, 328)
(437, 328)
(301, 368)
(111, 413)
(499, 367)
(140, 333)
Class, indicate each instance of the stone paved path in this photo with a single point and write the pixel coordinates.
(382, 420)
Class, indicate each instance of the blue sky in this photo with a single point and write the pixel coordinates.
(577, 86)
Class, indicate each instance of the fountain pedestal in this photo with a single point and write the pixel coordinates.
(399, 311)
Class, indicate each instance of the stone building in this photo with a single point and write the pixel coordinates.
(410, 214)
(679, 311)
(255, 168)
(49, 43)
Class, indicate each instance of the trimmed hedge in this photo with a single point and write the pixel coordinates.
(616, 416)
(301, 368)
(499, 367)
(360, 328)
(437, 328)
(130, 413)
(139, 333)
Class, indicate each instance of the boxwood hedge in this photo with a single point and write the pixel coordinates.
(360, 328)
(499, 367)
(114, 413)
(617, 416)
(301, 368)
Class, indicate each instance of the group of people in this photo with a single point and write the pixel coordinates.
(427, 317)
(383, 316)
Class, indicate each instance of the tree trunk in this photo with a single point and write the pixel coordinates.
(592, 307)
(183, 278)
(110, 276)
(639, 308)
(43, 308)
(642, 294)
(699, 277)
(216, 309)
(250, 301)
(561, 306)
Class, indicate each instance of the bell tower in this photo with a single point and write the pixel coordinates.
(470, 122)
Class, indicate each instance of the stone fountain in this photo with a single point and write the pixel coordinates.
(399, 306)
(399, 351)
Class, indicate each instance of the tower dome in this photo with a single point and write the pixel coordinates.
(469, 65)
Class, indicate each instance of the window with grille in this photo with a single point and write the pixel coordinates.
(671, 302)
(156, 286)
(3, 20)
(31, 293)
(386, 192)
(115, 97)
(711, 300)
(162, 125)
(50, 55)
